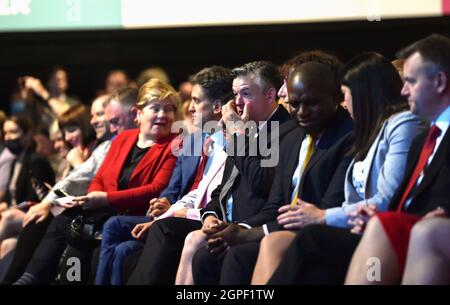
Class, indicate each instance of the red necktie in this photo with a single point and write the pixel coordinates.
(426, 152)
(202, 165)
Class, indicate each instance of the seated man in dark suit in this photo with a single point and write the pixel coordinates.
(321, 254)
(255, 86)
(312, 167)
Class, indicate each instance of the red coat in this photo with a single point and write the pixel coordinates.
(149, 178)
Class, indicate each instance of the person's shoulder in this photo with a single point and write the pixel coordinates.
(103, 145)
(291, 132)
(127, 133)
(102, 148)
(404, 116)
(405, 120)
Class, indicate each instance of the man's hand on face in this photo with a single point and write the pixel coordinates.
(232, 121)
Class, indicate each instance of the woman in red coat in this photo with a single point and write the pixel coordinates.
(136, 169)
(140, 161)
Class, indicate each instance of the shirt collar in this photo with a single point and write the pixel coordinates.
(217, 138)
(443, 120)
(262, 124)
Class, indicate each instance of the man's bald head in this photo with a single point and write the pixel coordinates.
(313, 95)
(316, 74)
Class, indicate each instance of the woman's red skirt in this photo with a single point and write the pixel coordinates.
(398, 228)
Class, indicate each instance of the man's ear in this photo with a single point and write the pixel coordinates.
(217, 107)
(441, 82)
(134, 115)
(134, 111)
(271, 94)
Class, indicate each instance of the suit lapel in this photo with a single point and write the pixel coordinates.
(192, 152)
(415, 153)
(436, 164)
(280, 116)
(224, 193)
(331, 136)
(413, 158)
(216, 166)
(293, 163)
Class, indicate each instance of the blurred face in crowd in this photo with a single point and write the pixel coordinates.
(282, 93)
(44, 145)
(156, 119)
(12, 131)
(59, 144)
(14, 137)
(115, 81)
(98, 119)
(73, 135)
(348, 102)
(202, 108)
(249, 92)
(185, 90)
(116, 116)
(311, 100)
(59, 82)
(420, 87)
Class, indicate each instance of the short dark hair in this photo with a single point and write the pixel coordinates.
(375, 86)
(216, 82)
(267, 73)
(434, 48)
(78, 116)
(126, 96)
(327, 59)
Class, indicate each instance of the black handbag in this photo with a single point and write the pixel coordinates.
(86, 228)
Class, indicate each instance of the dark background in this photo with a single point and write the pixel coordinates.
(89, 55)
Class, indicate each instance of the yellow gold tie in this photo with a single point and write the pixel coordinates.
(309, 153)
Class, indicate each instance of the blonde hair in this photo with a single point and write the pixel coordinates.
(155, 89)
(398, 64)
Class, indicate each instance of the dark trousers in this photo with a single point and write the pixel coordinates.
(130, 264)
(234, 267)
(46, 257)
(66, 266)
(158, 263)
(319, 254)
(28, 241)
(239, 263)
(206, 268)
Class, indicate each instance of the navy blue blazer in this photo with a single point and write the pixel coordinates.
(323, 180)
